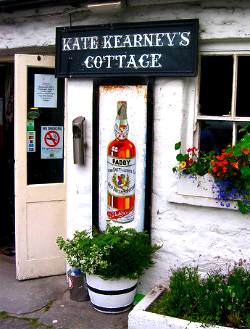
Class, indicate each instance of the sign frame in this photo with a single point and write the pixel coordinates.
(149, 82)
(69, 62)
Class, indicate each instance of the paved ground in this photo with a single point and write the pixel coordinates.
(45, 304)
(12, 323)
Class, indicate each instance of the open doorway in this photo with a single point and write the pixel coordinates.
(7, 213)
(33, 191)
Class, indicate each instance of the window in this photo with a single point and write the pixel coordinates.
(223, 106)
(222, 109)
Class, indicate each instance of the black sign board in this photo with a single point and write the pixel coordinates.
(164, 48)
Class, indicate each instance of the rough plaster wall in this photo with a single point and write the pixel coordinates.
(218, 20)
(190, 235)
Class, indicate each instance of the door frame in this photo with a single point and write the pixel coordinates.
(149, 82)
(31, 266)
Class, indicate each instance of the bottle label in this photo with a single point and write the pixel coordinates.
(121, 176)
(121, 216)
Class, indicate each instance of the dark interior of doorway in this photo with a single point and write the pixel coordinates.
(7, 219)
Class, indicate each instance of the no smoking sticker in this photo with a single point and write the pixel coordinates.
(52, 138)
(51, 142)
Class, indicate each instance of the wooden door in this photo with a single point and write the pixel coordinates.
(39, 167)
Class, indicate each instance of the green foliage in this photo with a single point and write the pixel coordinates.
(3, 315)
(245, 171)
(177, 146)
(186, 284)
(115, 253)
(218, 299)
(243, 207)
(192, 162)
(181, 157)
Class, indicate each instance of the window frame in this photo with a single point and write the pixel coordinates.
(199, 192)
(230, 118)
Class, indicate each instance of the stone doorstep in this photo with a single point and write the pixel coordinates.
(139, 317)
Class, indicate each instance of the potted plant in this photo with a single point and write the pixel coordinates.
(229, 169)
(195, 302)
(113, 261)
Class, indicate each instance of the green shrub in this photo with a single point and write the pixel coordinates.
(115, 253)
(217, 299)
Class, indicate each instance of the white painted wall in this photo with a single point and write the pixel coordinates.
(79, 94)
(207, 237)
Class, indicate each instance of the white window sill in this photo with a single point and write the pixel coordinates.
(198, 192)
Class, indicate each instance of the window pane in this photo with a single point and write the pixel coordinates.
(216, 85)
(242, 104)
(45, 121)
(215, 135)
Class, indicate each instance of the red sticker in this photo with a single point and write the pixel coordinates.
(52, 138)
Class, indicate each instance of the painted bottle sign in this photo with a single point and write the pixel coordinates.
(121, 171)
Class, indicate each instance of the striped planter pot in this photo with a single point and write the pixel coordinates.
(111, 296)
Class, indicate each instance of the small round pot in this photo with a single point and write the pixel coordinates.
(111, 296)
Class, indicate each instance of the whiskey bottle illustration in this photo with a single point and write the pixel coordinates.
(121, 171)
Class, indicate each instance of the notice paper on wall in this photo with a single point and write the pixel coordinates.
(45, 91)
(51, 142)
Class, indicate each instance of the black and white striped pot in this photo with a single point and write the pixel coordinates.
(111, 296)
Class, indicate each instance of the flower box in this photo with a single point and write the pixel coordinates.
(230, 168)
(198, 191)
(139, 317)
(201, 186)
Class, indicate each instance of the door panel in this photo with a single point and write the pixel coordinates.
(48, 226)
(39, 207)
(45, 192)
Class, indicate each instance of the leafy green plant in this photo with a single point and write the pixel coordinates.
(115, 253)
(192, 161)
(217, 299)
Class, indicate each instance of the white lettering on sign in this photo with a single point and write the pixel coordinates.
(79, 43)
(171, 37)
(106, 41)
(76, 45)
(123, 61)
(158, 39)
(159, 49)
(137, 40)
(185, 39)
